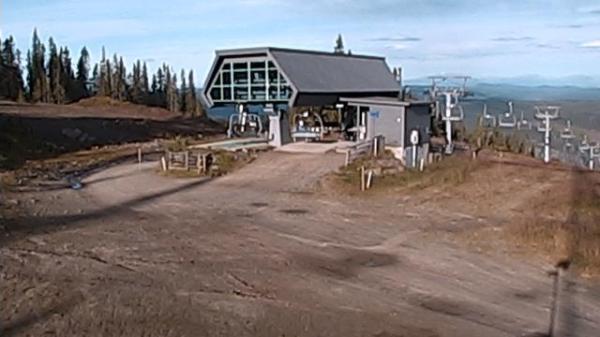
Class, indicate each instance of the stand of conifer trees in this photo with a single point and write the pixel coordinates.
(52, 79)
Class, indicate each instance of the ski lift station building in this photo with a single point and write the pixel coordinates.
(362, 87)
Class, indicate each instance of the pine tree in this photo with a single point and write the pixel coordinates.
(123, 90)
(339, 45)
(67, 75)
(118, 79)
(171, 91)
(108, 80)
(154, 86)
(36, 69)
(161, 80)
(95, 80)
(57, 92)
(144, 82)
(105, 76)
(136, 83)
(183, 94)
(7, 53)
(191, 99)
(11, 80)
(83, 73)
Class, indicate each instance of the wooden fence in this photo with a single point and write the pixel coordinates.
(374, 147)
(187, 160)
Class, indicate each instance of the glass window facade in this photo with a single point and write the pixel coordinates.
(249, 80)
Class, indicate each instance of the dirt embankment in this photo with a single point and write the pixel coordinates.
(41, 131)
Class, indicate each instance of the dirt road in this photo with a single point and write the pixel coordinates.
(265, 252)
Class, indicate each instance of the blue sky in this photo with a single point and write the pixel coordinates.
(552, 38)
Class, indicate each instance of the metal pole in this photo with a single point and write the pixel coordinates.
(547, 141)
(414, 156)
(448, 115)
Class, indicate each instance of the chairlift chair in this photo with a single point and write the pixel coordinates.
(584, 146)
(454, 112)
(523, 123)
(567, 132)
(307, 125)
(487, 120)
(243, 124)
(508, 119)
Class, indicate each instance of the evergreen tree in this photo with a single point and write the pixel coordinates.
(339, 45)
(123, 90)
(183, 94)
(7, 53)
(144, 81)
(57, 92)
(105, 76)
(191, 99)
(95, 79)
(136, 83)
(67, 75)
(83, 73)
(171, 90)
(154, 86)
(36, 69)
(11, 78)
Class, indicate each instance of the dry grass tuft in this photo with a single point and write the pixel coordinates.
(454, 171)
(577, 238)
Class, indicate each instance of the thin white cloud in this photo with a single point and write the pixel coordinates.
(591, 44)
(512, 38)
(398, 46)
(396, 39)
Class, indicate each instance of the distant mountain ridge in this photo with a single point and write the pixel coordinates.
(580, 81)
(535, 90)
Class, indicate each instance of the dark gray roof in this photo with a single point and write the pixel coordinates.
(382, 101)
(323, 72)
(318, 72)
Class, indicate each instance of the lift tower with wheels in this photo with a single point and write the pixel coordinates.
(441, 88)
(546, 115)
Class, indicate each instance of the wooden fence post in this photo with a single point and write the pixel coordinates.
(362, 178)
(163, 163)
(186, 159)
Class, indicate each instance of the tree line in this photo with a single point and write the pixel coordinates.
(52, 78)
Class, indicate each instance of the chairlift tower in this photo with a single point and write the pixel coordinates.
(591, 150)
(593, 155)
(546, 115)
(453, 112)
(450, 116)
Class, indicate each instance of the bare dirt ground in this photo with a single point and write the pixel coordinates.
(267, 251)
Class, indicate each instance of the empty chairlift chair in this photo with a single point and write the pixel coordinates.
(523, 123)
(487, 120)
(508, 119)
(307, 125)
(584, 146)
(567, 135)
